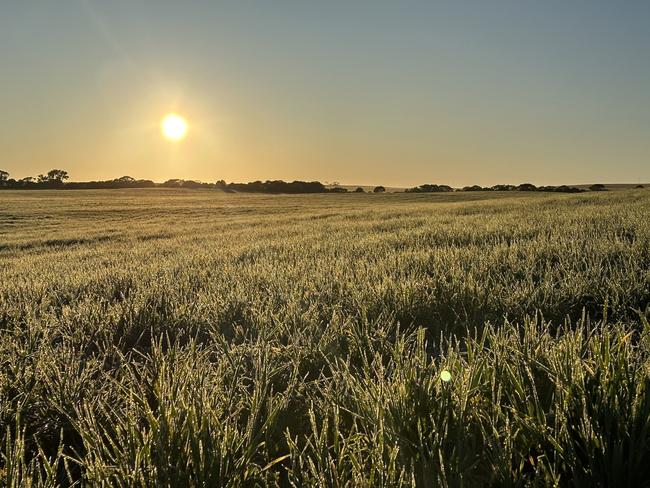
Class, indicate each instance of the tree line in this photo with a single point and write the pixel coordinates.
(56, 179)
(52, 179)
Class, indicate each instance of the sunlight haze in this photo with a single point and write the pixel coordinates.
(392, 93)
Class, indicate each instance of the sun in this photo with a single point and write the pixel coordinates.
(174, 127)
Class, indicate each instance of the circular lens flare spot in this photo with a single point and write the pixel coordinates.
(445, 376)
(174, 127)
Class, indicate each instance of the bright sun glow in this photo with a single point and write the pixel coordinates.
(174, 127)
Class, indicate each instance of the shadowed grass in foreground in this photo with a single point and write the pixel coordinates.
(160, 338)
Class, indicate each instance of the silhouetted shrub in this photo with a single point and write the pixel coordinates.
(598, 187)
(427, 188)
(279, 186)
(122, 182)
(359, 190)
(568, 189)
(379, 189)
(504, 187)
(175, 183)
(526, 187)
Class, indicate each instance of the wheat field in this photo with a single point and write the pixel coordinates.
(200, 338)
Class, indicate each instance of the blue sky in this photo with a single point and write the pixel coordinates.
(393, 93)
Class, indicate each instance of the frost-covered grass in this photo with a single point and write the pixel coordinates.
(178, 338)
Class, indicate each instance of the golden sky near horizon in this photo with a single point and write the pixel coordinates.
(387, 93)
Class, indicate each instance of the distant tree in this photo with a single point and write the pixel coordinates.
(379, 189)
(567, 189)
(429, 188)
(125, 179)
(173, 183)
(279, 186)
(639, 186)
(28, 179)
(359, 190)
(336, 188)
(527, 187)
(57, 175)
(503, 187)
(4, 176)
(598, 187)
(192, 184)
(41, 179)
(474, 188)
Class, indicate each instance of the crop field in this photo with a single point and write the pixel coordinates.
(200, 338)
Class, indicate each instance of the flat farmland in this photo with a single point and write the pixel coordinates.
(201, 338)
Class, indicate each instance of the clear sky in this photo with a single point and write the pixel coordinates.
(395, 93)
